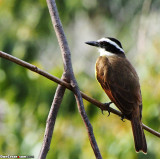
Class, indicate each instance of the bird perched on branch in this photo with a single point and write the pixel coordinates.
(120, 82)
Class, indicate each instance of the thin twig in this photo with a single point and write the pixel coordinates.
(69, 72)
(151, 130)
(51, 121)
(68, 86)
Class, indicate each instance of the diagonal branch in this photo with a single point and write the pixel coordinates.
(68, 86)
(66, 55)
(51, 121)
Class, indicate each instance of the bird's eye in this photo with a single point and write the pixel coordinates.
(102, 44)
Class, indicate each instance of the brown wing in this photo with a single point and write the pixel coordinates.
(123, 83)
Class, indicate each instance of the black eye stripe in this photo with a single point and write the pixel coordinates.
(103, 43)
(106, 44)
(110, 47)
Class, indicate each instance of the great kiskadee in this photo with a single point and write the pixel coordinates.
(120, 82)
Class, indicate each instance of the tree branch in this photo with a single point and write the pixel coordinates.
(69, 72)
(68, 86)
(51, 121)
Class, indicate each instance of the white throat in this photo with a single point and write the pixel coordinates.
(103, 52)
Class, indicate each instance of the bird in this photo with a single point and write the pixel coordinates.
(119, 80)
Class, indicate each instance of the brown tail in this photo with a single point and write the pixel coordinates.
(139, 137)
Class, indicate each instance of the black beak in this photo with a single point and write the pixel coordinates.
(92, 43)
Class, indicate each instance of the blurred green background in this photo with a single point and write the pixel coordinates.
(25, 97)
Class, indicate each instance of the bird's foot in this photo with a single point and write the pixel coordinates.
(123, 117)
(108, 108)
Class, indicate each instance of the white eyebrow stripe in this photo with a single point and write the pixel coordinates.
(111, 42)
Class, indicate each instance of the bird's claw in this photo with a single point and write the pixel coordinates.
(108, 108)
(102, 111)
(122, 117)
(109, 112)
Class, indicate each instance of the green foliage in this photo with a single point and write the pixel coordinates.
(25, 97)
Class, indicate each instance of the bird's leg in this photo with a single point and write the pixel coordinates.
(108, 108)
(122, 117)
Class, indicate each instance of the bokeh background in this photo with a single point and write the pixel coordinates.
(25, 97)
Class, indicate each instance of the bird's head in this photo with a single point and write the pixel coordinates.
(107, 46)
